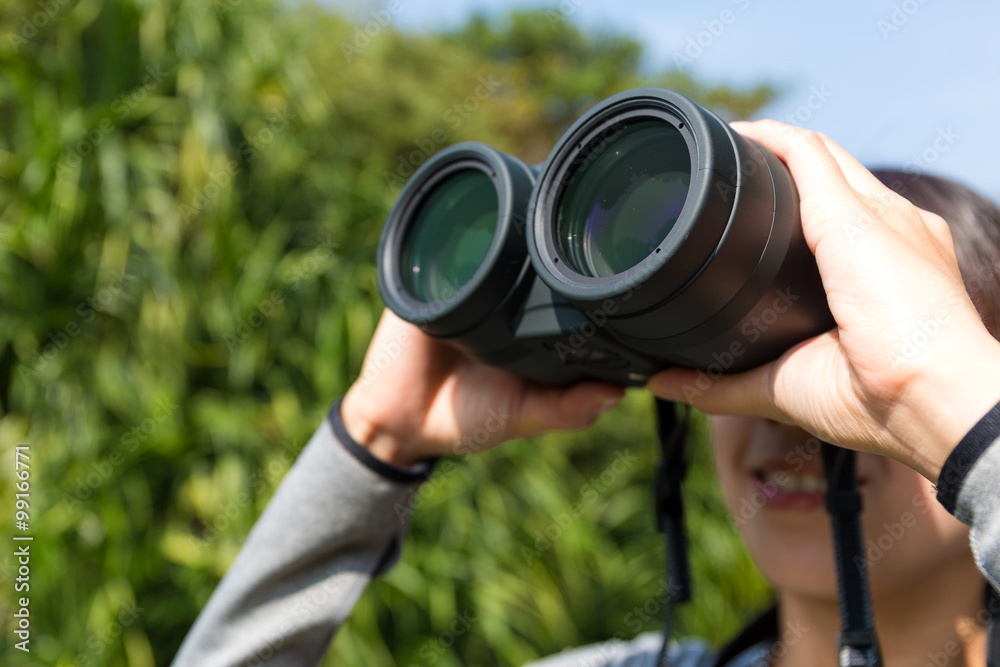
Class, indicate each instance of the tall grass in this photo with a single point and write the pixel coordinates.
(191, 195)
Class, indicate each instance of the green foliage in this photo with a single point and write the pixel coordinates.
(190, 199)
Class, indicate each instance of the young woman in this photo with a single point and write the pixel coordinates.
(920, 408)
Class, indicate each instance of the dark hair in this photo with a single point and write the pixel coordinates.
(975, 229)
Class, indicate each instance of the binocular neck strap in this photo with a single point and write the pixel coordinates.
(991, 602)
(672, 431)
(857, 645)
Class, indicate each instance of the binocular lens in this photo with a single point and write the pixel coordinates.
(653, 235)
(623, 199)
(450, 235)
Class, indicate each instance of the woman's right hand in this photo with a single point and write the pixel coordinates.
(889, 271)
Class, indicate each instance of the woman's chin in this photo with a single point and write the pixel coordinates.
(794, 550)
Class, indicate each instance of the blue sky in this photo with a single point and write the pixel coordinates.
(907, 83)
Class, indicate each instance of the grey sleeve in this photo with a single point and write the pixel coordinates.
(643, 651)
(332, 525)
(978, 506)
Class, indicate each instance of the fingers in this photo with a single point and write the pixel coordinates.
(892, 208)
(812, 165)
(858, 175)
(546, 408)
(846, 210)
(940, 231)
(747, 393)
(831, 208)
(812, 156)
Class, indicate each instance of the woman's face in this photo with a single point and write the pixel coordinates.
(772, 479)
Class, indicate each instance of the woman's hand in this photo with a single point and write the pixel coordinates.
(910, 367)
(418, 398)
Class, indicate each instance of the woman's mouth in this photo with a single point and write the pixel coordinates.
(787, 490)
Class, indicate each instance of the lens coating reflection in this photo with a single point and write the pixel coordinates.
(450, 235)
(624, 200)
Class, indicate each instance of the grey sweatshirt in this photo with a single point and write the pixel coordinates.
(333, 525)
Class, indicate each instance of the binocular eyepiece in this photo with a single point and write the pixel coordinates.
(653, 235)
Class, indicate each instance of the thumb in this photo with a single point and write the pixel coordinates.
(546, 408)
(747, 393)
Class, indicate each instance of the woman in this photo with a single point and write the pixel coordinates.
(887, 267)
(924, 579)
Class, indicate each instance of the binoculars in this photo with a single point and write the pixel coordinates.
(654, 235)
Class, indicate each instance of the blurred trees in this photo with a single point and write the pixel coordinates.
(190, 197)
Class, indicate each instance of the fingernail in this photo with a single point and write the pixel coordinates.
(662, 386)
(607, 404)
(604, 405)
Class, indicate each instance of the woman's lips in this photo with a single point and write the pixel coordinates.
(786, 490)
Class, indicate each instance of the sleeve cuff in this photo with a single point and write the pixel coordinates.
(418, 473)
(964, 457)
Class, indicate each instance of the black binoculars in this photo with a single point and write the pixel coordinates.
(653, 235)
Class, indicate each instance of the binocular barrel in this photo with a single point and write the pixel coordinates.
(653, 235)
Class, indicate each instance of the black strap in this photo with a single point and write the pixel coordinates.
(842, 503)
(857, 644)
(992, 605)
(965, 455)
(763, 628)
(418, 473)
(672, 431)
